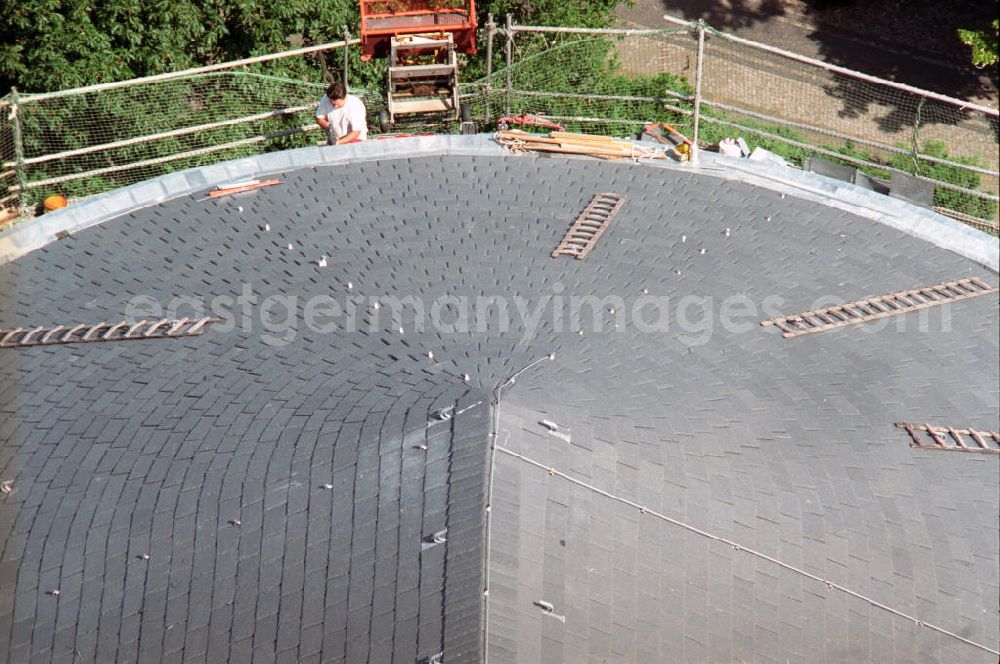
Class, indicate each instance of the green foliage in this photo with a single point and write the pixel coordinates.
(582, 13)
(984, 43)
(51, 45)
(558, 13)
(944, 197)
(56, 44)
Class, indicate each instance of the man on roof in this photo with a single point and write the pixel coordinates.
(342, 116)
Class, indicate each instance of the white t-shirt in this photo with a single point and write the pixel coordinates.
(350, 117)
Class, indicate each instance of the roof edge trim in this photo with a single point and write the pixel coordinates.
(770, 173)
(26, 237)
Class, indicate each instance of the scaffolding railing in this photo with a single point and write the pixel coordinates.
(707, 84)
(716, 86)
(88, 140)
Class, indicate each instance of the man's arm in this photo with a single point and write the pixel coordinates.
(348, 137)
(359, 123)
(321, 110)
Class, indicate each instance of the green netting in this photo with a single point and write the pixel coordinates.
(605, 84)
(882, 126)
(9, 197)
(143, 125)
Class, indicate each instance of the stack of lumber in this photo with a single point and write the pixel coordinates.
(602, 147)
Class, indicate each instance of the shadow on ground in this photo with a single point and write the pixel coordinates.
(913, 42)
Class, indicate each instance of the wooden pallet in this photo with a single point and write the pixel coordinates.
(927, 437)
(874, 308)
(22, 337)
(589, 226)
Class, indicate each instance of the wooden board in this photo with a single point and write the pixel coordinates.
(241, 188)
(586, 138)
(602, 147)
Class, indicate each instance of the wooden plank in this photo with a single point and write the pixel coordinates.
(562, 138)
(605, 148)
(420, 44)
(541, 138)
(417, 71)
(533, 138)
(617, 150)
(422, 106)
(241, 188)
(566, 135)
(624, 148)
(595, 152)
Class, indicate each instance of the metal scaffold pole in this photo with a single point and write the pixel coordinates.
(509, 46)
(347, 52)
(915, 141)
(491, 31)
(19, 173)
(699, 65)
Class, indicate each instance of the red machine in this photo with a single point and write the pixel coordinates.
(420, 38)
(383, 19)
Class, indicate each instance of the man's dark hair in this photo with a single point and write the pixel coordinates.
(336, 91)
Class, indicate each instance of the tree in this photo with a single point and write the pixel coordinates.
(584, 13)
(55, 44)
(50, 45)
(984, 43)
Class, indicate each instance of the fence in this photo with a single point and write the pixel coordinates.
(707, 84)
(86, 140)
(712, 85)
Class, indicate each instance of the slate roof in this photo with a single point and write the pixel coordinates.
(211, 454)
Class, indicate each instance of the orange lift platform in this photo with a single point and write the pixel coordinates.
(421, 40)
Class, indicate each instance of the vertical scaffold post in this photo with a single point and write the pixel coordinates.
(915, 141)
(491, 31)
(509, 46)
(699, 65)
(347, 52)
(22, 177)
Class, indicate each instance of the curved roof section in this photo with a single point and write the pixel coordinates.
(212, 454)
